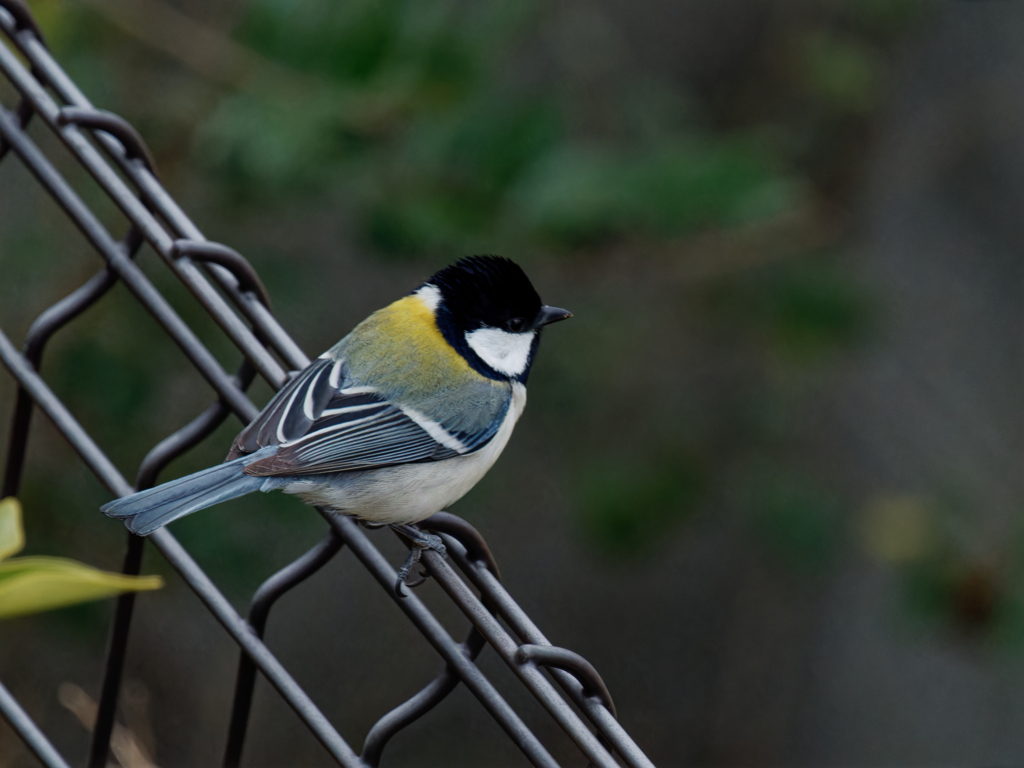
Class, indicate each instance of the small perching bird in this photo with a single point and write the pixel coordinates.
(396, 421)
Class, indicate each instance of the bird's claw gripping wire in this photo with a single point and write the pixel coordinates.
(420, 541)
(405, 571)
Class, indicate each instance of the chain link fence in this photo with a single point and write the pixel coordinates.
(227, 287)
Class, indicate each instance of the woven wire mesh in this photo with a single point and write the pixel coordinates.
(227, 287)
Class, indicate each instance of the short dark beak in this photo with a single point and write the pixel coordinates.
(548, 315)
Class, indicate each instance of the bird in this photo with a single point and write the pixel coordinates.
(395, 422)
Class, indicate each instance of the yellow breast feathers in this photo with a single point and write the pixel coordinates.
(401, 344)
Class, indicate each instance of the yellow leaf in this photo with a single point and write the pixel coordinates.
(32, 584)
(12, 535)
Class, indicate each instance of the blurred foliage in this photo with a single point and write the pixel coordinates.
(842, 72)
(425, 130)
(408, 109)
(798, 518)
(803, 310)
(696, 220)
(955, 574)
(624, 503)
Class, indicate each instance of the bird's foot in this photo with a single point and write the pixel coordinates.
(420, 541)
(403, 573)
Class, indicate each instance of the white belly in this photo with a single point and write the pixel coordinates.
(408, 493)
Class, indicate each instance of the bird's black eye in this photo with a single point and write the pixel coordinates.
(517, 325)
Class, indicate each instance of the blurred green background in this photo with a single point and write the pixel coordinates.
(769, 478)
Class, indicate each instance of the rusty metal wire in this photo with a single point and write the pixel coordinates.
(116, 156)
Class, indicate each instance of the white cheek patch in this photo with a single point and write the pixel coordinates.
(507, 353)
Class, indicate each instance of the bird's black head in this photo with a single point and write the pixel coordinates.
(488, 310)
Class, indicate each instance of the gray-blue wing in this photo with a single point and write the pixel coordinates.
(322, 422)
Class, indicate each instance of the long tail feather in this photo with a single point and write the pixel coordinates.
(148, 510)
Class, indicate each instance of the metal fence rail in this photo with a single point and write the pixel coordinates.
(111, 151)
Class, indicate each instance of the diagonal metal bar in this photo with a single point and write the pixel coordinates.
(160, 221)
(520, 623)
(443, 643)
(138, 213)
(23, 19)
(58, 413)
(237, 626)
(130, 273)
(39, 334)
(24, 113)
(447, 679)
(571, 662)
(469, 551)
(259, 611)
(82, 112)
(506, 647)
(29, 731)
(176, 555)
(189, 436)
(229, 259)
(131, 142)
(257, 651)
(432, 694)
(473, 544)
(155, 196)
(168, 449)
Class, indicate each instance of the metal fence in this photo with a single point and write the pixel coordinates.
(228, 288)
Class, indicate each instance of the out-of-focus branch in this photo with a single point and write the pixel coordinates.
(718, 254)
(123, 744)
(795, 233)
(205, 50)
(216, 57)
